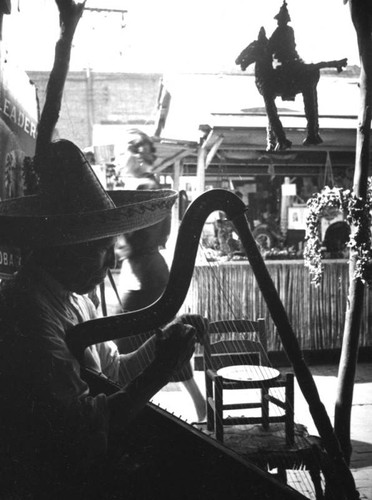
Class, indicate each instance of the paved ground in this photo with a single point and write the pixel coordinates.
(361, 419)
(175, 398)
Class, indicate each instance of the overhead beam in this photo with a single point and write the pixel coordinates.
(103, 9)
(171, 160)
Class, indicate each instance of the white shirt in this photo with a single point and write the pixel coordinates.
(40, 378)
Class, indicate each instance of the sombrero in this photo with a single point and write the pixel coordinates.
(73, 207)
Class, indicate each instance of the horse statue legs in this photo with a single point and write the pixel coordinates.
(310, 97)
(311, 112)
(276, 138)
(306, 78)
(287, 83)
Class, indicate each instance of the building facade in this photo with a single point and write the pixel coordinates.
(102, 98)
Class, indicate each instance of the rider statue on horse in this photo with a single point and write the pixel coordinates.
(280, 72)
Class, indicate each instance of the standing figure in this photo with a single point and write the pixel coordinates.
(144, 272)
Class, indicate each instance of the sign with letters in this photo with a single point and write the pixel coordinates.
(19, 116)
(18, 123)
(10, 260)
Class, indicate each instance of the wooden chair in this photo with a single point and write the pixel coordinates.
(243, 343)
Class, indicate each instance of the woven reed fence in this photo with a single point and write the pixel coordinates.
(229, 291)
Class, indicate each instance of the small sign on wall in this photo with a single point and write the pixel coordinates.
(289, 189)
(297, 217)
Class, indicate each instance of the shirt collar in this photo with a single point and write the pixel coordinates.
(44, 278)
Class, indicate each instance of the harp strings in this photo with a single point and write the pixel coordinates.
(230, 296)
(163, 310)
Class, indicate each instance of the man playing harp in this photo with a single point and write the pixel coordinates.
(53, 430)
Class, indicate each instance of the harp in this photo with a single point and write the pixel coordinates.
(178, 442)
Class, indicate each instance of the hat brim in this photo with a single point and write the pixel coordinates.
(133, 210)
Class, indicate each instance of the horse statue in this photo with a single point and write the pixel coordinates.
(300, 78)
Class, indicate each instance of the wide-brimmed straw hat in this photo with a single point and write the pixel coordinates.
(73, 207)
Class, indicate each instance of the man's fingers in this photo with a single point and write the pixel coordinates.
(200, 323)
(176, 330)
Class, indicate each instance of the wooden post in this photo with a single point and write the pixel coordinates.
(90, 103)
(200, 171)
(176, 186)
(69, 16)
(5, 8)
(361, 14)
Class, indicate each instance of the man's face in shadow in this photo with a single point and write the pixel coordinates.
(80, 268)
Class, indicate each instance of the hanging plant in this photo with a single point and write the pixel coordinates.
(358, 215)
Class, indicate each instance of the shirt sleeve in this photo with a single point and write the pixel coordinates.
(52, 391)
(123, 368)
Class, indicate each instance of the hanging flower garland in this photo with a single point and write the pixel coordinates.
(358, 215)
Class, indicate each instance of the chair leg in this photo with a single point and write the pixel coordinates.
(210, 418)
(289, 409)
(218, 410)
(316, 479)
(209, 401)
(282, 475)
(265, 408)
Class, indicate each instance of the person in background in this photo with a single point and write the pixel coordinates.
(144, 272)
(53, 430)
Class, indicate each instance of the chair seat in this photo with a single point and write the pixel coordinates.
(274, 393)
(248, 373)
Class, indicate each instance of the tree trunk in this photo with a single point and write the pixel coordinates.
(361, 14)
(69, 16)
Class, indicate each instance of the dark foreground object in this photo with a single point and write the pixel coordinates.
(168, 459)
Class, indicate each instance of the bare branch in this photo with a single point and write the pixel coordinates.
(70, 13)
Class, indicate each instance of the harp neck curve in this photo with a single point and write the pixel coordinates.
(167, 306)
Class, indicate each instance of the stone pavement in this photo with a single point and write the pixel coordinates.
(176, 400)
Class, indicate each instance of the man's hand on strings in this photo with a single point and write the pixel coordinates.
(175, 344)
(200, 324)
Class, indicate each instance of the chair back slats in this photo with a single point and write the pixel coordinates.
(219, 358)
(245, 340)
